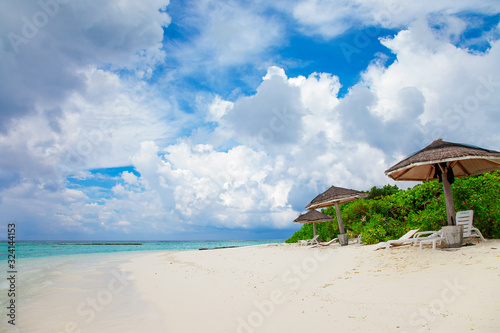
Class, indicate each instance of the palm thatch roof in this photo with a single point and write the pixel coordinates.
(313, 216)
(335, 194)
(465, 160)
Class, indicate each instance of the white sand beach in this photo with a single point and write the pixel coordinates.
(79, 294)
(266, 288)
(288, 288)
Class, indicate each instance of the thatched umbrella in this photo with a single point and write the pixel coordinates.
(313, 216)
(334, 196)
(445, 161)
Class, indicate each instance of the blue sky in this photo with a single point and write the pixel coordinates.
(195, 120)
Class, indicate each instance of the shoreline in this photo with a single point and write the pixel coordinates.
(40, 249)
(79, 293)
(265, 288)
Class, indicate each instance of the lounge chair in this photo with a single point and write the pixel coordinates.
(356, 240)
(465, 218)
(325, 243)
(428, 237)
(311, 241)
(405, 239)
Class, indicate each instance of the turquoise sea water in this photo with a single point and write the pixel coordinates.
(62, 248)
(55, 280)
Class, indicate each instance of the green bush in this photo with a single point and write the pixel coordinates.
(379, 192)
(388, 212)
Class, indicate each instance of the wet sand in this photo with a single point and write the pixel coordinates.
(84, 293)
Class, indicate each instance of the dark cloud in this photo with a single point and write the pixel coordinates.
(45, 45)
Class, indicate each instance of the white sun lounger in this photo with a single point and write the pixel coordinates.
(428, 237)
(325, 243)
(405, 239)
(465, 218)
(311, 241)
(355, 240)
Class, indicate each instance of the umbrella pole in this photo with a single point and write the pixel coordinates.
(339, 218)
(314, 229)
(448, 199)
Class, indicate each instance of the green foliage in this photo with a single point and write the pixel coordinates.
(378, 192)
(306, 232)
(388, 212)
(481, 194)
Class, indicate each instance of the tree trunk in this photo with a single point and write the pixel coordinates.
(448, 198)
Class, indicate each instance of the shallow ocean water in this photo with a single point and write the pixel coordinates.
(77, 293)
(68, 287)
(58, 248)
